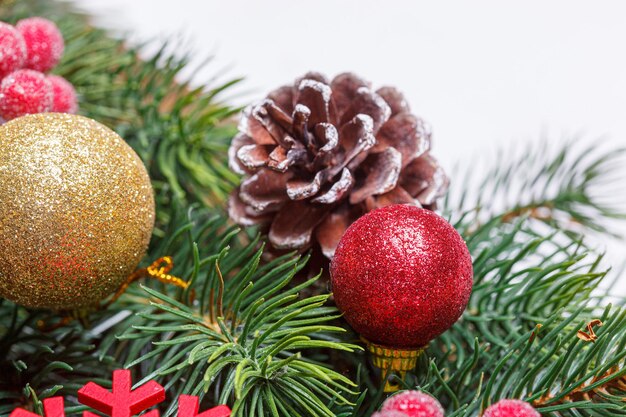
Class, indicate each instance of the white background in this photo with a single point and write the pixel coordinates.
(485, 74)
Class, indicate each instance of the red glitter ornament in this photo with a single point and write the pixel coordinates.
(12, 49)
(24, 92)
(511, 408)
(401, 275)
(44, 43)
(63, 95)
(414, 404)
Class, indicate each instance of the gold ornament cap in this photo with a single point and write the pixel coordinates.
(392, 361)
(77, 211)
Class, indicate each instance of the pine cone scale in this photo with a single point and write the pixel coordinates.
(383, 172)
(397, 129)
(303, 189)
(253, 156)
(332, 228)
(283, 120)
(336, 191)
(356, 137)
(369, 103)
(425, 179)
(395, 99)
(293, 225)
(345, 87)
(233, 160)
(315, 96)
(396, 196)
(243, 214)
(283, 97)
(261, 129)
(264, 190)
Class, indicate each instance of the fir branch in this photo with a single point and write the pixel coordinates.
(248, 333)
(560, 374)
(568, 187)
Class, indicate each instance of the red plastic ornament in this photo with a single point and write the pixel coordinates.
(24, 92)
(12, 49)
(414, 404)
(63, 95)
(511, 408)
(44, 43)
(401, 275)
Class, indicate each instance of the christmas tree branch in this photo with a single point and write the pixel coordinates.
(569, 187)
(249, 333)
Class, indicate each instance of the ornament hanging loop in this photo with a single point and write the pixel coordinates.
(392, 361)
(159, 269)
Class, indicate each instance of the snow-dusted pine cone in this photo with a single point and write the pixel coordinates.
(319, 154)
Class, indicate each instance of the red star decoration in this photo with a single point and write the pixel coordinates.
(123, 401)
(52, 407)
(188, 407)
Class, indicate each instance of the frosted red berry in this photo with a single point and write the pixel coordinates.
(12, 49)
(24, 92)
(414, 404)
(401, 275)
(511, 408)
(44, 43)
(63, 95)
(389, 414)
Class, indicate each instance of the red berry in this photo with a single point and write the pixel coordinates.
(414, 404)
(44, 43)
(12, 49)
(511, 408)
(389, 414)
(401, 275)
(63, 95)
(24, 92)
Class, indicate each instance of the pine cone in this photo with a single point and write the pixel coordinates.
(318, 155)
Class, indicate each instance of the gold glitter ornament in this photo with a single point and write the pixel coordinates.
(76, 211)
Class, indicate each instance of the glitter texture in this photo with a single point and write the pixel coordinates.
(12, 49)
(414, 404)
(44, 43)
(77, 211)
(511, 408)
(63, 95)
(401, 275)
(24, 92)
